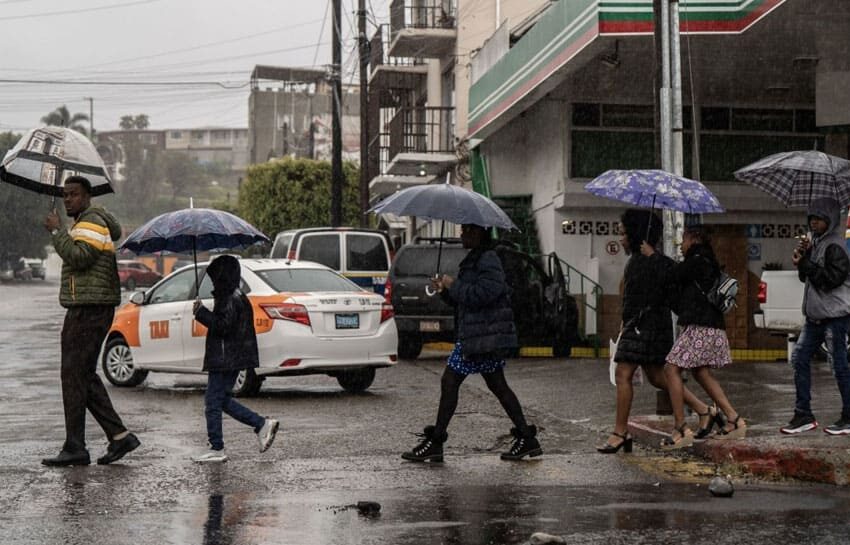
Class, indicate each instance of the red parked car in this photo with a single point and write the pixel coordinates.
(135, 273)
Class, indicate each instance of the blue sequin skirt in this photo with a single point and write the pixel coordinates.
(462, 366)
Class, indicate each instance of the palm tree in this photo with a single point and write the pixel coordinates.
(61, 117)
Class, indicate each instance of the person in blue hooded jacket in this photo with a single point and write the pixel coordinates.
(231, 346)
(823, 264)
(486, 335)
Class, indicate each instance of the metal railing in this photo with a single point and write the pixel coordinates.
(422, 130)
(591, 293)
(422, 14)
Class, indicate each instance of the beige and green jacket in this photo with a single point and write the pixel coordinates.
(89, 270)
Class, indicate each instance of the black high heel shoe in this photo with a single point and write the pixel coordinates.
(625, 444)
(716, 419)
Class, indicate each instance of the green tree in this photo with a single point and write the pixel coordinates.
(141, 122)
(126, 123)
(62, 117)
(129, 122)
(22, 217)
(295, 193)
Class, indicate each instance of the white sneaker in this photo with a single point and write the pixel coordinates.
(266, 434)
(211, 457)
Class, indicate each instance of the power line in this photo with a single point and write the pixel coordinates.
(131, 83)
(75, 11)
(201, 46)
(322, 31)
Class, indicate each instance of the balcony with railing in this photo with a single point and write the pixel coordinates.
(382, 182)
(421, 141)
(391, 72)
(422, 28)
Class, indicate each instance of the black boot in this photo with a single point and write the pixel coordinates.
(524, 445)
(430, 449)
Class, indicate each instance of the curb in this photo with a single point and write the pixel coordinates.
(756, 456)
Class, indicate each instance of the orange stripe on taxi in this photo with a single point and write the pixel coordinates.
(126, 322)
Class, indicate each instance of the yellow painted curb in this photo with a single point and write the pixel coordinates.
(584, 352)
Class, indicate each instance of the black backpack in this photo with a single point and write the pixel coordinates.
(722, 293)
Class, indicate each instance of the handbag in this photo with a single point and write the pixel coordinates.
(637, 378)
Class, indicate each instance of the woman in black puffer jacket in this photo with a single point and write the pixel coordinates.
(702, 344)
(486, 335)
(646, 333)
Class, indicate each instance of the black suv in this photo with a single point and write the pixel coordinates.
(545, 314)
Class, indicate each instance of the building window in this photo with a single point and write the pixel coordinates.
(221, 135)
(177, 135)
(197, 135)
(613, 136)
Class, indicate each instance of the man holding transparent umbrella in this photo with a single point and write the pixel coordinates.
(90, 290)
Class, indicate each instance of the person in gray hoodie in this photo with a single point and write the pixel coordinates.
(823, 264)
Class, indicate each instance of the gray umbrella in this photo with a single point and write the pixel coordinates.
(798, 177)
(448, 203)
(445, 202)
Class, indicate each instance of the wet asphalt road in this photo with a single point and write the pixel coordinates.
(336, 449)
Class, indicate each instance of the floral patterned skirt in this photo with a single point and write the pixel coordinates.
(700, 346)
(463, 366)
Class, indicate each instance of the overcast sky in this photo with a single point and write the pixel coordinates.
(142, 41)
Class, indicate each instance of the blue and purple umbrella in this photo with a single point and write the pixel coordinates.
(655, 189)
(193, 230)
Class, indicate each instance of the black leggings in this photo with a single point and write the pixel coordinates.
(450, 386)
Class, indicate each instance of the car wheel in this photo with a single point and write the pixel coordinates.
(117, 364)
(409, 346)
(356, 380)
(247, 384)
(131, 284)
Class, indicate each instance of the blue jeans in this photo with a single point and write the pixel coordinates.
(218, 399)
(834, 332)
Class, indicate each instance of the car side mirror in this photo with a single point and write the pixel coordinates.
(138, 298)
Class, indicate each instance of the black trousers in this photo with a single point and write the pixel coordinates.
(83, 332)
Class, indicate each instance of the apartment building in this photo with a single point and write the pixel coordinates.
(419, 87)
(289, 114)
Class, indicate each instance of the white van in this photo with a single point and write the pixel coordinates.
(362, 255)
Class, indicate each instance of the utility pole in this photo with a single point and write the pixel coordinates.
(670, 99)
(336, 80)
(364, 113)
(91, 117)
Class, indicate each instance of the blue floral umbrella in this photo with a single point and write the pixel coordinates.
(191, 230)
(655, 189)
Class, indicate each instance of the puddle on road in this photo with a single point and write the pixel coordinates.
(501, 515)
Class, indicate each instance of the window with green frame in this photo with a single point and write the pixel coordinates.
(621, 137)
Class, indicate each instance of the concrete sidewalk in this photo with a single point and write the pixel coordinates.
(764, 395)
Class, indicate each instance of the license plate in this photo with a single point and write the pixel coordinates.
(429, 326)
(347, 321)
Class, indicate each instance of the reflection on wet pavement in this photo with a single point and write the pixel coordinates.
(337, 449)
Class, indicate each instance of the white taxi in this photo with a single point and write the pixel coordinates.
(309, 320)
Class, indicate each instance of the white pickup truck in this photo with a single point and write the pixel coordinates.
(780, 297)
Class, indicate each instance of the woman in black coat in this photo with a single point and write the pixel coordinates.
(231, 346)
(486, 335)
(646, 332)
